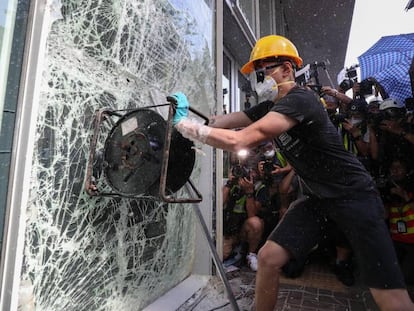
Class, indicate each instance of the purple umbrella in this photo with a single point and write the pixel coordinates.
(388, 61)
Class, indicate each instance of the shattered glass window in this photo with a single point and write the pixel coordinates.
(109, 253)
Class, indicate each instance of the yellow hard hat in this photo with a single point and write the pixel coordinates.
(272, 46)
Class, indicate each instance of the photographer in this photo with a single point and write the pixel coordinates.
(356, 133)
(272, 165)
(241, 224)
(272, 168)
(366, 88)
(395, 135)
(394, 119)
(332, 108)
(399, 201)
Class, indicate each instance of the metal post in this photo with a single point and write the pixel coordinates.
(217, 260)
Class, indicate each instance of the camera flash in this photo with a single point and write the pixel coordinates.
(242, 153)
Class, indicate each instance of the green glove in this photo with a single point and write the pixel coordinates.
(181, 111)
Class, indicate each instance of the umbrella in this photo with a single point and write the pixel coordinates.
(409, 5)
(388, 61)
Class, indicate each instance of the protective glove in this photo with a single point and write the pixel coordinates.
(181, 111)
(193, 130)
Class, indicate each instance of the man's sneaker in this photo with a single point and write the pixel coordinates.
(235, 257)
(344, 272)
(252, 261)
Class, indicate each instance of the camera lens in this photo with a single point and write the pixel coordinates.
(346, 84)
(239, 171)
(267, 167)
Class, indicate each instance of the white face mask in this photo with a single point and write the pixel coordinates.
(268, 154)
(355, 122)
(268, 89)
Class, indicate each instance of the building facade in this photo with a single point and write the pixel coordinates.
(64, 61)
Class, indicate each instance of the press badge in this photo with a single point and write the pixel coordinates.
(401, 226)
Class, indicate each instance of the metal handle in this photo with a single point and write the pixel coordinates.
(173, 101)
(165, 163)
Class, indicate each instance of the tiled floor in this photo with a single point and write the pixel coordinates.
(316, 289)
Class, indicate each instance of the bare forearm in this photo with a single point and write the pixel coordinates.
(284, 185)
(343, 98)
(230, 121)
(268, 127)
(224, 139)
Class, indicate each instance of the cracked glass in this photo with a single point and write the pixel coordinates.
(107, 253)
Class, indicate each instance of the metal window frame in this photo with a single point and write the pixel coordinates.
(235, 104)
(20, 167)
(218, 154)
(242, 21)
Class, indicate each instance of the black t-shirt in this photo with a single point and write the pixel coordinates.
(314, 148)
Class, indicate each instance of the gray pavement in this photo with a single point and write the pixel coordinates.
(317, 289)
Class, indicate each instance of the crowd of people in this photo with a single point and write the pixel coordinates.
(255, 196)
(262, 184)
(344, 182)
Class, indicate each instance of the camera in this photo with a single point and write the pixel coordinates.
(309, 76)
(351, 77)
(317, 89)
(338, 118)
(346, 84)
(240, 171)
(268, 167)
(394, 113)
(376, 118)
(365, 87)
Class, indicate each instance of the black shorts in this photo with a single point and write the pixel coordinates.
(360, 218)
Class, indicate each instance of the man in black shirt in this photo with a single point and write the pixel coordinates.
(335, 184)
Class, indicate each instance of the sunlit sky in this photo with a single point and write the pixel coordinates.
(373, 19)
